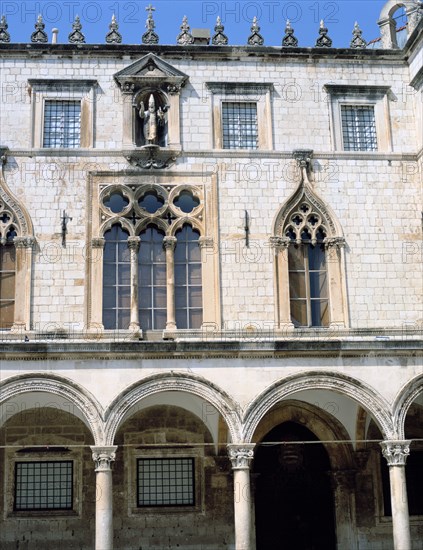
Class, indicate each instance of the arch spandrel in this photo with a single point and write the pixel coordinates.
(354, 389)
(125, 402)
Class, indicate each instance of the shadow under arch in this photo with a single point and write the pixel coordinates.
(365, 396)
(167, 382)
(405, 397)
(320, 422)
(90, 410)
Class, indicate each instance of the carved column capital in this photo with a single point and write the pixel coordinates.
(279, 243)
(173, 89)
(334, 242)
(104, 457)
(241, 455)
(24, 242)
(396, 452)
(128, 88)
(134, 243)
(169, 243)
(206, 242)
(98, 242)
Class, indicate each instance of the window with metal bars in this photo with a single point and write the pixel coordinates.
(62, 124)
(358, 128)
(165, 482)
(239, 123)
(308, 287)
(44, 485)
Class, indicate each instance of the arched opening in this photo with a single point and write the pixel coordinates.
(399, 27)
(293, 495)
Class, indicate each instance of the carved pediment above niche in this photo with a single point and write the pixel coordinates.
(153, 72)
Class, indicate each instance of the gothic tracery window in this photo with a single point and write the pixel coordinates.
(152, 272)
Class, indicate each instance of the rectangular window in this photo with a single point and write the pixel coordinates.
(43, 485)
(239, 124)
(358, 128)
(62, 124)
(165, 482)
(7, 285)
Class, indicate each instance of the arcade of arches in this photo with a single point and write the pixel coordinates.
(303, 481)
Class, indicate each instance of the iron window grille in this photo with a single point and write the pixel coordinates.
(358, 128)
(62, 124)
(165, 482)
(239, 123)
(44, 485)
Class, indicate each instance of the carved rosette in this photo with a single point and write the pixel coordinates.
(241, 455)
(103, 458)
(396, 452)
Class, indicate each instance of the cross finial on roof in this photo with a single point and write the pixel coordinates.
(150, 10)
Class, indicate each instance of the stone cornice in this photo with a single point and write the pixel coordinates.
(193, 51)
(221, 154)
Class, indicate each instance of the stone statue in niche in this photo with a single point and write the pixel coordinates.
(153, 122)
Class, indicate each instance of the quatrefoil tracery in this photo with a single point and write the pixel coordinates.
(304, 223)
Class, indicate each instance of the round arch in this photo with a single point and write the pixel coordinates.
(368, 398)
(320, 422)
(180, 382)
(405, 397)
(392, 5)
(90, 411)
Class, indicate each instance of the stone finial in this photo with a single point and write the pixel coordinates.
(323, 41)
(357, 42)
(255, 38)
(113, 36)
(185, 37)
(76, 36)
(150, 37)
(219, 38)
(39, 35)
(289, 40)
(4, 35)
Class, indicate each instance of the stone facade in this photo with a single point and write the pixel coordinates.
(248, 378)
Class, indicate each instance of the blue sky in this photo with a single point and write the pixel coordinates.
(339, 17)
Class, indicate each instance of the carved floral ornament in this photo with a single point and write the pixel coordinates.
(241, 455)
(103, 458)
(396, 452)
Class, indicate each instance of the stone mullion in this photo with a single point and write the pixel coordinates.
(23, 268)
(396, 453)
(96, 266)
(134, 246)
(103, 458)
(241, 456)
(283, 306)
(210, 314)
(169, 244)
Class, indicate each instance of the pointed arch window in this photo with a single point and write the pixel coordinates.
(7, 279)
(309, 263)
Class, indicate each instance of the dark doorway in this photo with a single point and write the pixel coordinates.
(293, 497)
